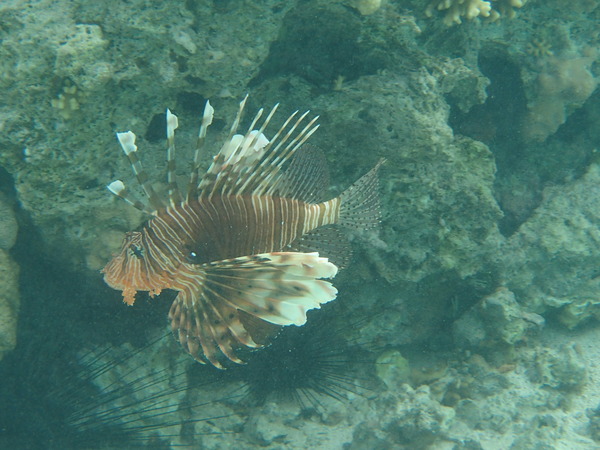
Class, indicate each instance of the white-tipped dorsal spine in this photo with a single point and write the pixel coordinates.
(173, 188)
(252, 146)
(172, 124)
(117, 187)
(281, 159)
(127, 141)
(246, 164)
(212, 179)
(238, 117)
(259, 179)
(207, 119)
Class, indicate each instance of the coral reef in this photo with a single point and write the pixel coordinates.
(404, 417)
(476, 322)
(432, 184)
(82, 58)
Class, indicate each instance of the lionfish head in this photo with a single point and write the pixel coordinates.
(130, 272)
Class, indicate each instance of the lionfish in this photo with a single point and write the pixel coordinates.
(244, 248)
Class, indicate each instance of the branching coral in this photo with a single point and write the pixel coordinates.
(455, 9)
(507, 7)
(469, 9)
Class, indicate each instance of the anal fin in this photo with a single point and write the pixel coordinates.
(262, 332)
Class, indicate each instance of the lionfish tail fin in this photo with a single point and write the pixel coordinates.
(241, 301)
(359, 207)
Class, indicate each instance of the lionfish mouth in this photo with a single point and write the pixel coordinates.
(251, 245)
(129, 272)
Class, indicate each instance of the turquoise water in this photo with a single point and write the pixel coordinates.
(467, 320)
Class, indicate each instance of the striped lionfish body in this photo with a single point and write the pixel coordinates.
(250, 247)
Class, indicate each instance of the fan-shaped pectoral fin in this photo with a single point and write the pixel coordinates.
(212, 316)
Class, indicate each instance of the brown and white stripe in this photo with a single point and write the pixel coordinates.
(227, 227)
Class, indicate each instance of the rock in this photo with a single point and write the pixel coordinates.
(420, 418)
(9, 302)
(8, 224)
(392, 368)
(563, 368)
(552, 262)
(497, 318)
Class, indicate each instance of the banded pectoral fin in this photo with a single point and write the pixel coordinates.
(237, 302)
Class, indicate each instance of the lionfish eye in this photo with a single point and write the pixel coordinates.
(137, 251)
(193, 257)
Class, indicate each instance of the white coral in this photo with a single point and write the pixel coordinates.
(470, 9)
(455, 9)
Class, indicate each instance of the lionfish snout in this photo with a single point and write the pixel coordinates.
(130, 271)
